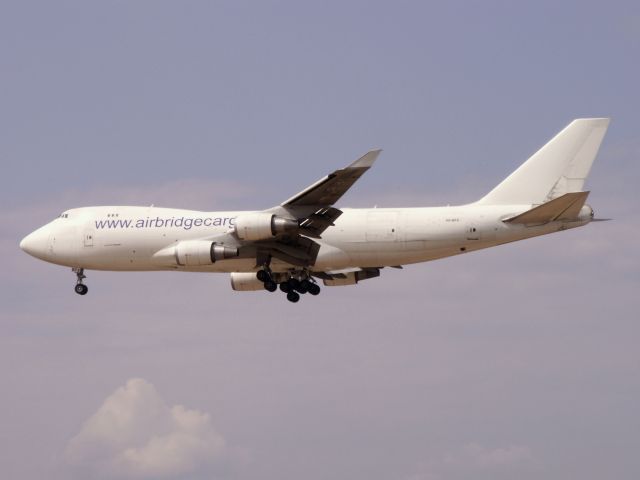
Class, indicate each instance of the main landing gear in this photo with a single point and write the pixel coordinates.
(80, 288)
(294, 284)
(265, 277)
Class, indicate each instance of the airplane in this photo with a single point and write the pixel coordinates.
(307, 238)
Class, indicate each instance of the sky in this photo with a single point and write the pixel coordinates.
(515, 362)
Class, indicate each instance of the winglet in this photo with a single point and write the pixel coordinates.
(366, 160)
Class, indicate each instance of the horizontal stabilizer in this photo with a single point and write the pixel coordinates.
(565, 207)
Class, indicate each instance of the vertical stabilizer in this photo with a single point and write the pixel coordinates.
(560, 167)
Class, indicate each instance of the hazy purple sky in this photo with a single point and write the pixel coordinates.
(516, 362)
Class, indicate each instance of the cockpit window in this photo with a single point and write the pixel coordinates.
(63, 215)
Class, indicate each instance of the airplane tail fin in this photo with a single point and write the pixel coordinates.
(560, 167)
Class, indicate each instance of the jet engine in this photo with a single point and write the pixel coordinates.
(202, 252)
(263, 226)
(245, 282)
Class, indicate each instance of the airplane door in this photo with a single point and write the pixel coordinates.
(382, 226)
(88, 239)
(473, 232)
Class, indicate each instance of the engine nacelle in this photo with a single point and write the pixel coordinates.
(263, 226)
(201, 252)
(245, 282)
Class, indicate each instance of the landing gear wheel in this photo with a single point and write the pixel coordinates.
(313, 289)
(80, 288)
(305, 286)
(294, 283)
(293, 297)
(262, 275)
(270, 286)
(284, 287)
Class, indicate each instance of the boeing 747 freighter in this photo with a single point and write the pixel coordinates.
(307, 238)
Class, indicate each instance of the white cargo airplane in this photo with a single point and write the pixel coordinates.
(307, 238)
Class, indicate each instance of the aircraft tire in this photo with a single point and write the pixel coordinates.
(270, 286)
(81, 289)
(262, 275)
(314, 289)
(293, 297)
(284, 287)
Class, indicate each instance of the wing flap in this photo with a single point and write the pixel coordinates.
(318, 222)
(349, 276)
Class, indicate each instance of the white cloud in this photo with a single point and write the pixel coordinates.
(135, 434)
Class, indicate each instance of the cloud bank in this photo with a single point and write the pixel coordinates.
(135, 434)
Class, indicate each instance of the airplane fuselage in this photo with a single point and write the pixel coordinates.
(124, 238)
(305, 238)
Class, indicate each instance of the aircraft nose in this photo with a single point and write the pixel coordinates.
(35, 244)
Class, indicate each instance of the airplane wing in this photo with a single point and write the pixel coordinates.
(313, 206)
(328, 190)
(314, 211)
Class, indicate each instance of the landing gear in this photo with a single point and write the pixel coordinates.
(294, 283)
(303, 287)
(266, 277)
(80, 288)
(298, 284)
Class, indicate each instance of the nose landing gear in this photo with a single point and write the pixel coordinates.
(80, 288)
